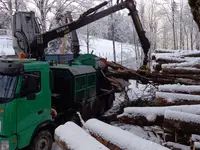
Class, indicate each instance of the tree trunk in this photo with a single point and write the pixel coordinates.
(113, 34)
(173, 24)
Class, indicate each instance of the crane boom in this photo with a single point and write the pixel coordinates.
(35, 43)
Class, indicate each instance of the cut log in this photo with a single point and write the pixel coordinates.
(176, 146)
(164, 98)
(173, 76)
(165, 51)
(177, 88)
(185, 64)
(71, 137)
(181, 70)
(116, 138)
(182, 121)
(152, 115)
(167, 60)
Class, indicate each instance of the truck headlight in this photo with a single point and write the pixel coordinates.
(4, 145)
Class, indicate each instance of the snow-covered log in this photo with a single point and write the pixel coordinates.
(177, 88)
(152, 115)
(167, 59)
(182, 121)
(194, 64)
(165, 51)
(176, 146)
(181, 70)
(116, 138)
(165, 98)
(72, 137)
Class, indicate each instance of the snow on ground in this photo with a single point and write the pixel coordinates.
(119, 137)
(135, 92)
(103, 48)
(76, 138)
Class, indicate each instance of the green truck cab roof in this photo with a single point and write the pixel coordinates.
(17, 66)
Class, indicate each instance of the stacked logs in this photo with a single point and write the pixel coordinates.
(97, 135)
(181, 124)
(177, 94)
(167, 67)
(176, 66)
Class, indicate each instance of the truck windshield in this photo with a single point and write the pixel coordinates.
(7, 87)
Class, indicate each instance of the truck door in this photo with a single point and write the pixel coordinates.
(31, 107)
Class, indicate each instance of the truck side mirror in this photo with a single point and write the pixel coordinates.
(31, 96)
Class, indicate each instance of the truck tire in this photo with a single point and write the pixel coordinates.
(42, 141)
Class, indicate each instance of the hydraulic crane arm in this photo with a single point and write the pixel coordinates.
(39, 43)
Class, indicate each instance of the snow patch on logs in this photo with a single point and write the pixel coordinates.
(178, 88)
(174, 97)
(182, 116)
(121, 138)
(71, 136)
(150, 113)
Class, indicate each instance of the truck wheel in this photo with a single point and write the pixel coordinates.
(42, 141)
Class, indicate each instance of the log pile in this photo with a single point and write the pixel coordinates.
(175, 66)
(181, 124)
(145, 116)
(97, 135)
(177, 94)
(167, 67)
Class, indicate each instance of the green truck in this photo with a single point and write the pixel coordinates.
(43, 91)
(35, 98)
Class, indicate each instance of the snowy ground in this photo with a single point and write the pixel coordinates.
(135, 92)
(103, 48)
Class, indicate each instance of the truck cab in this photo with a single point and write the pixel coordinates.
(25, 101)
